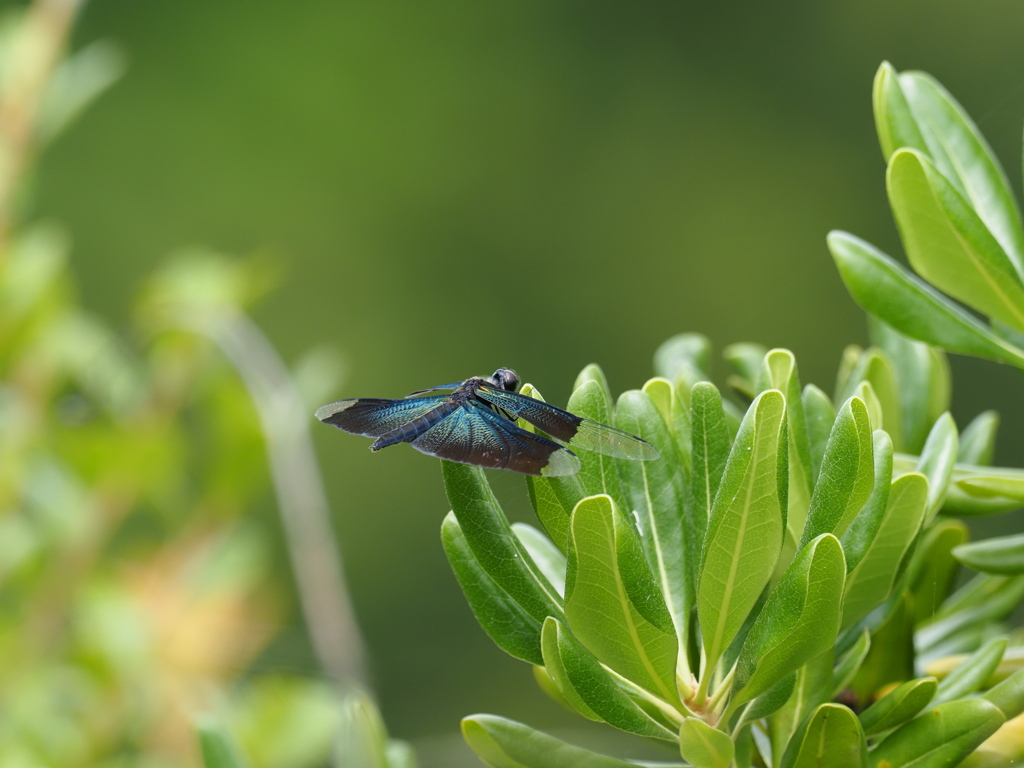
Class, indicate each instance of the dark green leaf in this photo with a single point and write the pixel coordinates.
(507, 623)
(745, 531)
(591, 400)
(613, 604)
(798, 622)
(772, 700)
(710, 453)
(505, 743)
(494, 545)
(886, 290)
(820, 415)
(589, 688)
(864, 529)
(218, 750)
(850, 663)
(891, 656)
(898, 706)
(847, 473)
(940, 737)
(831, 737)
(933, 567)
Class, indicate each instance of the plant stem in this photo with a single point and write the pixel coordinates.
(302, 501)
(723, 688)
(667, 709)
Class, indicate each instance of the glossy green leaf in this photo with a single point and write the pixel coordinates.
(864, 529)
(780, 372)
(876, 369)
(710, 453)
(676, 413)
(553, 498)
(703, 746)
(866, 393)
(494, 546)
(505, 743)
(218, 751)
(896, 125)
(947, 242)
(911, 306)
(940, 737)
(1005, 483)
(831, 737)
(507, 623)
(955, 145)
(684, 360)
(1008, 696)
(820, 415)
(898, 706)
(873, 578)
(591, 689)
(655, 493)
(591, 400)
(922, 378)
(937, 461)
(932, 568)
(847, 473)
(362, 738)
(971, 675)
(799, 621)
(978, 441)
(1003, 555)
(745, 530)
(544, 553)
(850, 663)
(772, 700)
(613, 604)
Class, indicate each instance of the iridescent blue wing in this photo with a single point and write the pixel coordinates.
(573, 430)
(474, 434)
(373, 417)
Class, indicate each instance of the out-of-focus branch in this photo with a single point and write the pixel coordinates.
(302, 501)
(36, 52)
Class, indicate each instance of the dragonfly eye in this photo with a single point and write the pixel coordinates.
(506, 379)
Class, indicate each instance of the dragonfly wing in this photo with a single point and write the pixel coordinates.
(573, 430)
(372, 417)
(475, 435)
(456, 385)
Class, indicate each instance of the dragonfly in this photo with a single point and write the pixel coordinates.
(476, 424)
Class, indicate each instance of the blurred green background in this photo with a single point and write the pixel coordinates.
(451, 187)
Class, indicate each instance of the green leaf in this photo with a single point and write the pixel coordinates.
(896, 125)
(676, 414)
(947, 242)
(1003, 555)
(911, 306)
(799, 621)
(218, 750)
(684, 360)
(813, 687)
(655, 494)
(492, 542)
(703, 746)
(891, 656)
(544, 553)
(1007, 483)
(505, 743)
(937, 461)
(780, 372)
(362, 738)
(922, 378)
(876, 369)
(849, 665)
(710, 453)
(933, 567)
(745, 530)
(772, 700)
(591, 689)
(591, 400)
(847, 473)
(553, 498)
(898, 706)
(874, 577)
(1008, 696)
(971, 675)
(507, 623)
(957, 148)
(978, 604)
(820, 415)
(747, 360)
(978, 441)
(940, 737)
(612, 602)
(864, 529)
(831, 737)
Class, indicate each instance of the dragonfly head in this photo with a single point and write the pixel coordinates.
(506, 379)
